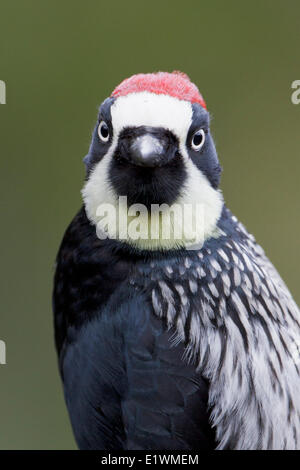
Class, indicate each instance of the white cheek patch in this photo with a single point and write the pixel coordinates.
(147, 109)
(199, 192)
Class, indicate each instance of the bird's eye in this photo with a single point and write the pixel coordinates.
(103, 131)
(198, 140)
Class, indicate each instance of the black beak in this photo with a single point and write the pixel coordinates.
(147, 147)
(147, 150)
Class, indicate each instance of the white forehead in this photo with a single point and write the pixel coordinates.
(150, 109)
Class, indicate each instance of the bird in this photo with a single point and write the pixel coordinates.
(173, 329)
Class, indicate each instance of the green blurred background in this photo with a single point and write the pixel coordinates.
(59, 60)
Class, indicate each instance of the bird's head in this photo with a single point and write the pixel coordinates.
(152, 148)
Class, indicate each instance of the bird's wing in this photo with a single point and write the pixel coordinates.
(272, 285)
(241, 326)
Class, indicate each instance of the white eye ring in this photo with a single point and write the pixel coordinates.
(198, 140)
(103, 131)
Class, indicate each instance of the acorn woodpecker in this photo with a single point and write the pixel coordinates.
(173, 329)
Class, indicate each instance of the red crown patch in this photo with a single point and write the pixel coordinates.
(176, 84)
